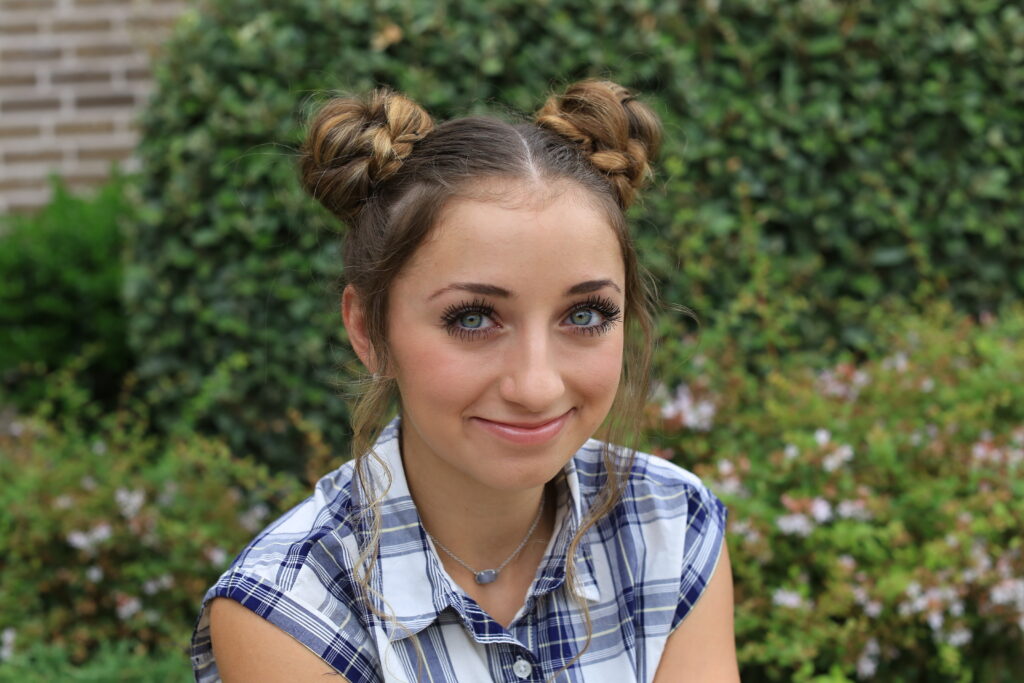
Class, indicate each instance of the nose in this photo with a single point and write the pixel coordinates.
(532, 377)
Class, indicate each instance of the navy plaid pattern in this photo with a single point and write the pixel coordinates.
(641, 570)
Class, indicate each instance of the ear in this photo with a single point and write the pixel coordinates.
(354, 317)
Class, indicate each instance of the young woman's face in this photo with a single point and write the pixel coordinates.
(506, 333)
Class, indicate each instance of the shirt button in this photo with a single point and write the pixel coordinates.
(522, 668)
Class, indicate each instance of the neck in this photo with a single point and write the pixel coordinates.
(482, 532)
(481, 526)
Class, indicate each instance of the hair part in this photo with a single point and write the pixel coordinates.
(386, 170)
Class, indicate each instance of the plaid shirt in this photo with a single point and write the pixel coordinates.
(641, 569)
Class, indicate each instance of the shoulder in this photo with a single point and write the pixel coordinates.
(291, 588)
(664, 536)
(328, 516)
(248, 647)
(653, 488)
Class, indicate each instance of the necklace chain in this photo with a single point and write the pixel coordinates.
(490, 575)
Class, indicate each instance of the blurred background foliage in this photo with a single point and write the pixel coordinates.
(838, 200)
(819, 158)
(60, 294)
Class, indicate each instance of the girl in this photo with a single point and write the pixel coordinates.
(483, 533)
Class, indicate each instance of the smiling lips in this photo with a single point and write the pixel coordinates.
(523, 433)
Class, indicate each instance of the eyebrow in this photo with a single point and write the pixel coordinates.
(592, 286)
(493, 290)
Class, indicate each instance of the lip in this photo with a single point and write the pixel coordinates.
(526, 433)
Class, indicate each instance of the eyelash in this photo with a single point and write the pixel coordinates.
(451, 316)
(605, 307)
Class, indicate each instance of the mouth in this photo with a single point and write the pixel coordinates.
(526, 433)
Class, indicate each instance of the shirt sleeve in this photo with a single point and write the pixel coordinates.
(705, 535)
(338, 637)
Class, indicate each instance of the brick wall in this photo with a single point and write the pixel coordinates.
(73, 76)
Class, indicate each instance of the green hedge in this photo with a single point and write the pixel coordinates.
(60, 293)
(821, 156)
(875, 508)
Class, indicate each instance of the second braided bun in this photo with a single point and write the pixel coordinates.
(619, 134)
(353, 144)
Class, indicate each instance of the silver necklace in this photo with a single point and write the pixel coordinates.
(491, 575)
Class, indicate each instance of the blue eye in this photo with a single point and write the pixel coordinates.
(582, 317)
(594, 316)
(471, 321)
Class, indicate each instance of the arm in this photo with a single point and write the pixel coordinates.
(247, 647)
(703, 646)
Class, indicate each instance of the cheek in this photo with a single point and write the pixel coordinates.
(597, 372)
(437, 371)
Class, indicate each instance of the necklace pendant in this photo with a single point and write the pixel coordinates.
(487, 576)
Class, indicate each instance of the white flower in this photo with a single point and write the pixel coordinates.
(80, 540)
(822, 436)
(927, 384)
(7, 643)
(94, 574)
(897, 362)
(867, 663)
(837, 458)
(127, 607)
(253, 518)
(788, 598)
(873, 609)
(130, 502)
(798, 524)
(99, 447)
(154, 585)
(959, 637)
(821, 510)
(87, 540)
(696, 415)
(166, 497)
(1008, 592)
(791, 451)
(853, 509)
(732, 487)
(63, 502)
(217, 556)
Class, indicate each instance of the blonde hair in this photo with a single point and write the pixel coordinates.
(381, 165)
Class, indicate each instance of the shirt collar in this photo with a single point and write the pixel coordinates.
(410, 581)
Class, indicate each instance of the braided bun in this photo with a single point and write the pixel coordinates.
(619, 134)
(354, 144)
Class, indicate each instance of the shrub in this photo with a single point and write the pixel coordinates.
(875, 508)
(43, 663)
(60, 293)
(109, 535)
(820, 155)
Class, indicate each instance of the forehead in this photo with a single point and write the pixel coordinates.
(519, 241)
